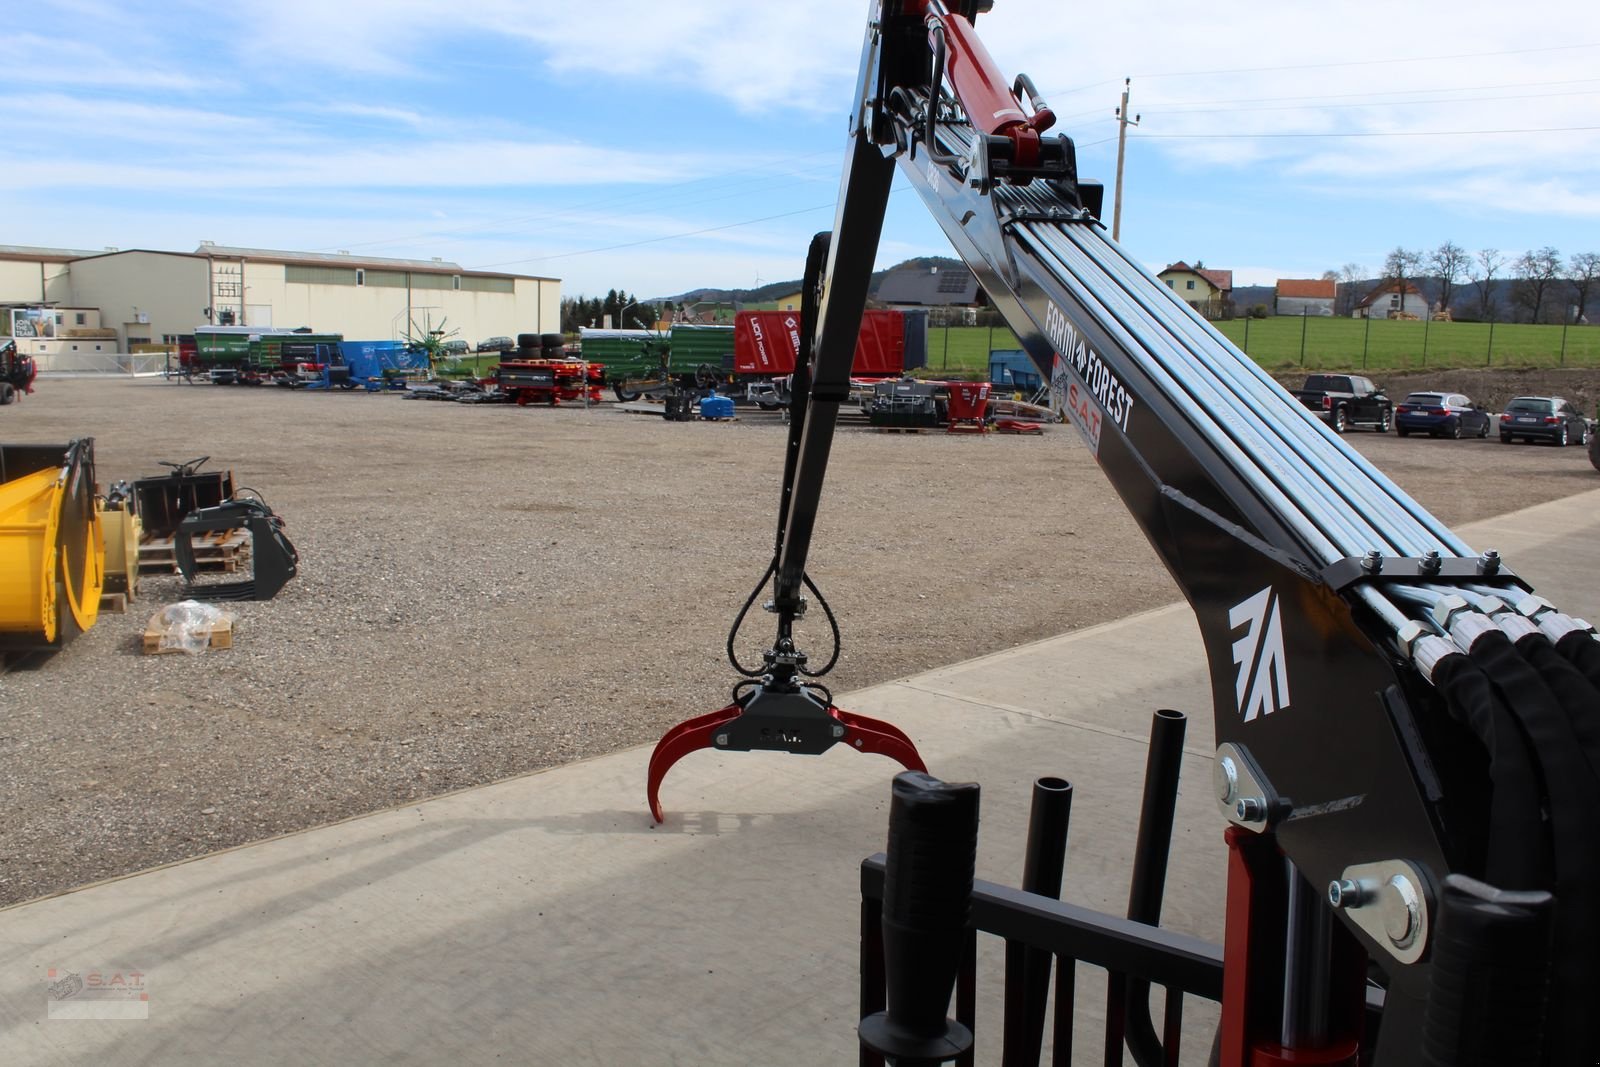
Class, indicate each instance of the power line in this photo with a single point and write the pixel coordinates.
(1375, 103)
(644, 195)
(1394, 133)
(1367, 62)
(675, 236)
(657, 240)
(1384, 92)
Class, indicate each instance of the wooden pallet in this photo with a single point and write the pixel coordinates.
(217, 552)
(219, 636)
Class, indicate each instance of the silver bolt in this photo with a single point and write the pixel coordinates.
(1226, 779)
(1372, 562)
(722, 739)
(1347, 893)
(858, 742)
(1402, 911)
(1489, 562)
(1251, 809)
(1431, 562)
(838, 731)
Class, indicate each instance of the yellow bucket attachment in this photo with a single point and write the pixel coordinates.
(52, 553)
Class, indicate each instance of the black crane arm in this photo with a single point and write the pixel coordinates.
(1392, 707)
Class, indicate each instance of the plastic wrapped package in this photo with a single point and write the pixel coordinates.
(189, 626)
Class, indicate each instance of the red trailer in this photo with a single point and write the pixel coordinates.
(765, 344)
(547, 381)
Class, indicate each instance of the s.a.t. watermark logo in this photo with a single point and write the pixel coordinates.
(104, 994)
(1261, 679)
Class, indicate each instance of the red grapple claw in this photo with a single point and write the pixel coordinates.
(859, 732)
(678, 742)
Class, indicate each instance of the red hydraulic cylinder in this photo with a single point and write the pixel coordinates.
(990, 104)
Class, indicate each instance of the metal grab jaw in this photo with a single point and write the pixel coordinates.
(777, 720)
(273, 557)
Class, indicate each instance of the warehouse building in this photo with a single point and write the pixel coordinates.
(144, 297)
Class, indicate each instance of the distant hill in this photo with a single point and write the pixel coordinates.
(773, 290)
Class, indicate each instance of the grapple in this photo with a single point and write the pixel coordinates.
(273, 558)
(780, 707)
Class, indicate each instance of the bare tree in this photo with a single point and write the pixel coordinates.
(1583, 270)
(1400, 265)
(1448, 263)
(1536, 272)
(1481, 273)
(1350, 277)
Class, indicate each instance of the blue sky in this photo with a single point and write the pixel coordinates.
(660, 147)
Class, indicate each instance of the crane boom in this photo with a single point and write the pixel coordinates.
(1398, 716)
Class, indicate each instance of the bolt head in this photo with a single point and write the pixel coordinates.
(1402, 911)
(838, 731)
(722, 739)
(1346, 893)
(1250, 809)
(1225, 776)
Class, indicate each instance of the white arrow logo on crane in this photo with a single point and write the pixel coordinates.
(1262, 679)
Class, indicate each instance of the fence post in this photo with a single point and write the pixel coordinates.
(1563, 342)
(1246, 348)
(1425, 324)
(1366, 335)
(947, 344)
(1488, 357)
(1303, 321)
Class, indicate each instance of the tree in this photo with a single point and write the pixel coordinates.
(1448, 263)
(1400, 265)
(1481, 273)
(1536, 272)
(1583, 270)
(1350, 277)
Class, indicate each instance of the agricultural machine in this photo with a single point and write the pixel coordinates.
(52, 550)
(1408, 737)
(17, 372)
(539, 372)
(766, 348)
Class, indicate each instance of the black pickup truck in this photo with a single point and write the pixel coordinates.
(1347, 400)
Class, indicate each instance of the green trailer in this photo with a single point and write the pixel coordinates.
(230, 355)
(696, 357)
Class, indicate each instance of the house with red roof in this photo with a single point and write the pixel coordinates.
(1305, 296)
(1207, 291)
(1388, 301)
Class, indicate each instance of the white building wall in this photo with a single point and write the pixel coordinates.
(382, 312)
(170, 291)
(22, 282)
(1309, 305)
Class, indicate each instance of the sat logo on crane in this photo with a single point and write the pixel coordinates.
(1261, 683)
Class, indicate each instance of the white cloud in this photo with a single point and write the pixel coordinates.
(424, 164)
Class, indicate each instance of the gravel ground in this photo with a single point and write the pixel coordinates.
(485, 591)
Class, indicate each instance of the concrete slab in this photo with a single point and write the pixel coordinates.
(546, 920)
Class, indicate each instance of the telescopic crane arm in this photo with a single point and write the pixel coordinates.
(1403, 726)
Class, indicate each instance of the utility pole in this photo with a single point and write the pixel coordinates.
(1123, 122)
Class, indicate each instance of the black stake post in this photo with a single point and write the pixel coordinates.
(927, 899)
(1150, 853)
(1028, 969)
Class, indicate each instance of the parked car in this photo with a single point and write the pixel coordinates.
(455, 347)
(496, 344)
(1346, 400)
(1543, 418)
(1441, 415)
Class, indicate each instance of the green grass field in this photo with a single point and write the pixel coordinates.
(1329, 344)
